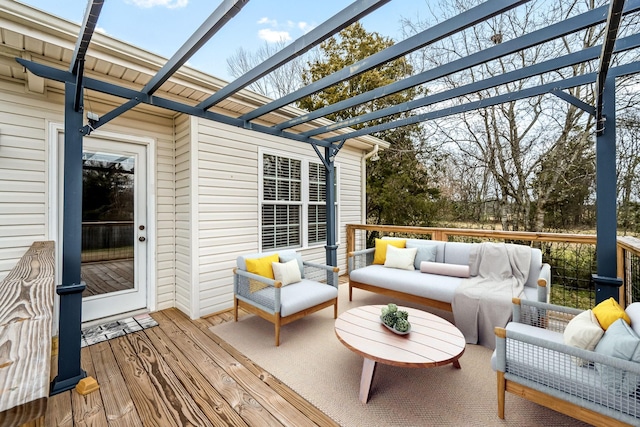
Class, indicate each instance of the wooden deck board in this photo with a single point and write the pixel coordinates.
(179, 373)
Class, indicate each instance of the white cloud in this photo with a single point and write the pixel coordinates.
(272, 36)
(169, 4)
(266, 20)
(305, 26)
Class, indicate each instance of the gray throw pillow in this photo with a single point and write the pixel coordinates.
(425, 253)
(288, 256)
(620, 341)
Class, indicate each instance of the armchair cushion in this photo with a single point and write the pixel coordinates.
(288, 255)
(622, 342)
(261, 267)
(286, 272)
(297, 296)
(583, 331)
(608, 311)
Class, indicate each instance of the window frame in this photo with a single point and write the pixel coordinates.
(305, 161)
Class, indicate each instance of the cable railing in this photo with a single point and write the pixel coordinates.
(572, 256)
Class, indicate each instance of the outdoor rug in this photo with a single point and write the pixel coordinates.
(116, 328)
(312, 361)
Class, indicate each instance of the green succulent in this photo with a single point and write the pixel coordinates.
(402, 325)
(392, 307)
(401, 314)
(390, 319)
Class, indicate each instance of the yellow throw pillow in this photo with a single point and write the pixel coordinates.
(380, 254)
(608, 311)
(261, 267)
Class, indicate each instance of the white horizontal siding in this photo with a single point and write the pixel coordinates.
(228, 204)
(183, 236)
(23, 183)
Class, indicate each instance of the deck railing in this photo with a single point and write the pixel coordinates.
(572, 256)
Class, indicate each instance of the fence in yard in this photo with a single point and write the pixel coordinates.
(572, 256)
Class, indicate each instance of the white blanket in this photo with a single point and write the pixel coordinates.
(483, 302)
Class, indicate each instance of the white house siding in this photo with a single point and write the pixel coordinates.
(227, 206)
(23, 178)
(183, 281)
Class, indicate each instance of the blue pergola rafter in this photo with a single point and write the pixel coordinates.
(341, 20)
(451, 26)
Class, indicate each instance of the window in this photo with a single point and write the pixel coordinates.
(292, 207)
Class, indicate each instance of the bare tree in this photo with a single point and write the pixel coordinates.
(279, 82)
(529, 150)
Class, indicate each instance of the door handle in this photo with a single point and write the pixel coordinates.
(141, 238)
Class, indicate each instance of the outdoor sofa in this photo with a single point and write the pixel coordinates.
(593, 377)
(431, 289)
(283, 296)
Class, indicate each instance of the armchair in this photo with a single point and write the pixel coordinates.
(281, 303)
(532, 361)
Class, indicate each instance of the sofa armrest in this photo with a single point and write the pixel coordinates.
(543, 315)
(321, 273)
(544, 283)
(359, 259)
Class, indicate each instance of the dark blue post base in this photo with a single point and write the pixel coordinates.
(69, 339)
(606, 287)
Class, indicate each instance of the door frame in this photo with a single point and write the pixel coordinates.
(55, 129)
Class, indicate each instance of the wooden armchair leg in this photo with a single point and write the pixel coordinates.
(350, 292)
(235, 309)
(501, 393)
(335, 309)
(277, 324)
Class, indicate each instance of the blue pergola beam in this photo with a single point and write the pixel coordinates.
(451, 26)
(51, 73)
(223, 14)
(341, 20)
(627, 43)
(627, 69)
(611, 33)
(576, 23)
(86, 32)
(590, 109)
(76, 66)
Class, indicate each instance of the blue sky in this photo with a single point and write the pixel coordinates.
(162, 26)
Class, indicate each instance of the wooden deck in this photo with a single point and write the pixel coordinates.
(179, 374)
(107, 276)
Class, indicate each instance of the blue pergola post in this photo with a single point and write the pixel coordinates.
(331, 247)
(606, 281)
(70, 291)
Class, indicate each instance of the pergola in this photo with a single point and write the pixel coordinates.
(327, 148)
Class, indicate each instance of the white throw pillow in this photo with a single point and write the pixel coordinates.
(287, 272)
(400, 258)
(583, 331)
(444, 269)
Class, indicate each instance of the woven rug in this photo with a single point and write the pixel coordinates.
(117, 328)
(312, 361)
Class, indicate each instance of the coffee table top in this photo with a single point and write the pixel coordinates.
(433, 341)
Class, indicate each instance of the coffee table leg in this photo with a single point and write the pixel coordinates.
(456, 364)
(368, 369)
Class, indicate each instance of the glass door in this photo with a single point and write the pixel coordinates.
(114, 225)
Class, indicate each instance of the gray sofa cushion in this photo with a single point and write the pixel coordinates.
(440, 288)
(297, 296)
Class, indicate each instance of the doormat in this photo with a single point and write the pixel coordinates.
(117, 328)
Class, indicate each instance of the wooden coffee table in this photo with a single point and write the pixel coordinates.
(433, 341)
